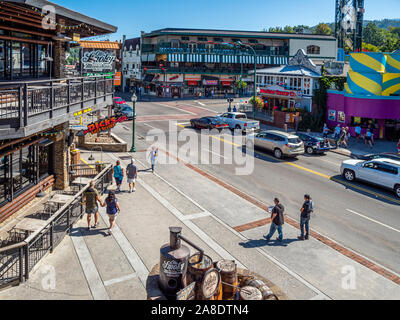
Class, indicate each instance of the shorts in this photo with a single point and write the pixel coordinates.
(91, 211)
(130, 181)
(112, 217)
(368, 138)
(118, 181)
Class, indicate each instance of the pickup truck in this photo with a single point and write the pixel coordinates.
(239, 121)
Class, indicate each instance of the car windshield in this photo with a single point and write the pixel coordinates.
(294, 140)
(127, 109)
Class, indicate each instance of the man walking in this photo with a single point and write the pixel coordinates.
(338, 130)
(90, 199)
(305, 218)
(358, 132)
(131, 172)
(278, 221)
(153, 157)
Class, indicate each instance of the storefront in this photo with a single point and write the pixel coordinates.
(278, 98)
(371, 96)
(23, 166)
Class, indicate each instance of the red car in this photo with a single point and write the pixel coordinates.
(118, 101)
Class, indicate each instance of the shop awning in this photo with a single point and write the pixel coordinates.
(192, 83)
(100, 45)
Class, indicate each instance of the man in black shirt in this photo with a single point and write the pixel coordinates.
(305, 217)
(278, 221)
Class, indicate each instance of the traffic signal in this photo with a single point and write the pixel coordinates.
(145, 69)
(230, 100)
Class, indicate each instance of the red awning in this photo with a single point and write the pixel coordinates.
(226, 83)
(192, 83)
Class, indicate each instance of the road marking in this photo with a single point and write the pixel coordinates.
(90, 271)
(120, 279)
(200, 103)
(368, 218)
(223, 140)
(197, 216)
(182, 110)
(307, 170)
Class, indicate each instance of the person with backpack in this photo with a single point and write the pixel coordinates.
(113, 209)
(278, 221)
(118, 173)
(132, 174)
(306, 210)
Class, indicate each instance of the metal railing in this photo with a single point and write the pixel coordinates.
(18, 260)
(22, 100)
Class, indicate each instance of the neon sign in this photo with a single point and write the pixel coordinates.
(103, 125)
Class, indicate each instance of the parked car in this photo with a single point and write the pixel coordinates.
(313, 144)
(239, 121)
(387, 155)
(282, 144)
(118, 101)
(209, 123)
(382, 172)
(124, 110)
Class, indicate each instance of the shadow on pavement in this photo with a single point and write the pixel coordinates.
(368, 190)
(83, 232)
(264, 243)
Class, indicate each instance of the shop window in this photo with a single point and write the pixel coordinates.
(16, 59)
(27, 166)
(313, 49)
(16, 171)
(41, 63)
(45, 161)
(2, 59)
(26, 60)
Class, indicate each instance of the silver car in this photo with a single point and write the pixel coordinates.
(382, 172)
(282, 144)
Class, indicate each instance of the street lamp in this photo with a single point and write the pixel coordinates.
(239, 43)
(134, 99)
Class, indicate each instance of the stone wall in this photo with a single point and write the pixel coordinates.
(119, 145)
(61, 159)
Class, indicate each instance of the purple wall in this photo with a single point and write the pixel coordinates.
(357, 106)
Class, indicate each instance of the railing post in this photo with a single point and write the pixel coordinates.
(95, 90)
(26, 104)
(21, 264)
(51, 237)
(68, 95)
(51, 99)
(69, 219)
(27, 261)
(105, 88)
(20, 107)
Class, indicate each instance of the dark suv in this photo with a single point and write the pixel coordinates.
(313, 144)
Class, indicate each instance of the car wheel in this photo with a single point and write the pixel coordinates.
(349, 175)
(397, 190)
(278, 153)
(310, 150)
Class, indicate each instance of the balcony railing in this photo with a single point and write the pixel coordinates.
(165, 48)
(24, 104)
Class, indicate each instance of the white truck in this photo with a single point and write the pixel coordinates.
(239, 121)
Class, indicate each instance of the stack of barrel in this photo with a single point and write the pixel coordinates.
(230, 287)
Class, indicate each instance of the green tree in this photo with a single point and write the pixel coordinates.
(369, 47)
(373, 35)
(288, 29)
(323, 28)
(275, 29)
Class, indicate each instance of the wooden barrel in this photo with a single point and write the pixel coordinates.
(219, 295)
(196, 271)
(228, 271)
(250, 293)
(266, 292)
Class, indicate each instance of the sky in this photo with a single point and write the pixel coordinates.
(134, 16)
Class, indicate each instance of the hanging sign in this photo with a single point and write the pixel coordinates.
(102, 125)
(98, 60)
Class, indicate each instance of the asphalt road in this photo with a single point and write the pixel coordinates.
(361, 217)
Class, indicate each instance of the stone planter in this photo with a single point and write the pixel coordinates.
(117, 144)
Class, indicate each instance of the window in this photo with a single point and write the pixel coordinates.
(294, 140)
(45, 160)
(16, 59)
(27, 166)
(3, 178)
(185, 39)
(313, 49)
(16, 171)
(388, 169)
(218, 40)
(27, 58)
(41, 63)
(253, 41)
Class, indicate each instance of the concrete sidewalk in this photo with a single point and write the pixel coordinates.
(91, 265)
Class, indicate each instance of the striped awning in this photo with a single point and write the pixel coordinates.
(216, 58)
(100, 45)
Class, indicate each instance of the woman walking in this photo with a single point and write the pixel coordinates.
(113, 209)
(118, 173)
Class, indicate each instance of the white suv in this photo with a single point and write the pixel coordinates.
(382, 172)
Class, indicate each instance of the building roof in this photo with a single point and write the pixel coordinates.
(100, 45)
(132, 43)
(101, 27)
(235, 33)
(289, 71)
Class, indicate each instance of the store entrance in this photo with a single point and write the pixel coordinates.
(392, 130)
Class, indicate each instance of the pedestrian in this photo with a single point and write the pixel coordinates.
(234, 109)
(90, 199)
(371, 129)
(305, 217)
(278, 221)
(113, 209)
(132, 174)
(226, 94)
(343, 138)
(368, 139)
(153, 157)
(325, 131)
(398, 147)
(118, 173)
(337, 132)
(229, 109)
(212, 93)
(358, 132)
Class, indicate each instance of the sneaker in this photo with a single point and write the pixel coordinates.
(88, 229)
(109, 232)
(134, 190)
(95, 226)
(279, 239)
(266, 238)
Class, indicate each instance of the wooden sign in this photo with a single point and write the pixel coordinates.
(210, 283)
(188, 293)
(102, 125)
